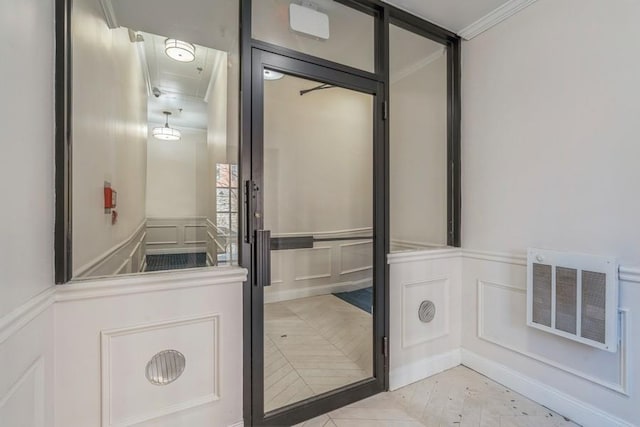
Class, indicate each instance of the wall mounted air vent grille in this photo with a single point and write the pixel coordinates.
(574, 296)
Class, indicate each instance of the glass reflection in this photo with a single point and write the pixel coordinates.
(154, 132)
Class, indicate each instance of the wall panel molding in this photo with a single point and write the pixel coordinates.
(22, 315)
(172, 395)
(493, 18)
(622, 386)
(440, 329)
(345, 258)
(34, 377)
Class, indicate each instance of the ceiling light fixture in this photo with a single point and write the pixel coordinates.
(166, 133)
(179, 50)
(272, 75)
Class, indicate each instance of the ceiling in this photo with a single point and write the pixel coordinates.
(454, 15)
(183, 85)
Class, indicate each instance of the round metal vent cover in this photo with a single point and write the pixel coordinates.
(427, 311)
(165, 367)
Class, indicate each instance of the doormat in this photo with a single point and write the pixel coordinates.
(362, 298)
(176, 261)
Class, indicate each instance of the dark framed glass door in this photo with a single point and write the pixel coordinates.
(314, 222)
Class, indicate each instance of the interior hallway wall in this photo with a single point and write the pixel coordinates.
(318, 158)
(550, 152)
(109, 111)
(27, 217)
(418, 163)
(177, 176)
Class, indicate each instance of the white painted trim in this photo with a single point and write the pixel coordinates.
(493, 18)
(106, 335)
(580, 412)
(412, 68)
(422, 255)
(423, 368)
(15, 320)
(625, 274)
(341, 257)
(326, 249)
(508, 258)
(405, 343)
(170, 251)
(103, 257)
(621, 387)
(238, 424)
(109, 14)
(37, 371)
(628, 274)
(332, 234)
(273, 295)
(149, 282)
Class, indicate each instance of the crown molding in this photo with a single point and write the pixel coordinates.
(109, 13)
(412, 68)
(493, 18)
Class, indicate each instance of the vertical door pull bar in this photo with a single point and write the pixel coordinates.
(250, 189)
(263, 258)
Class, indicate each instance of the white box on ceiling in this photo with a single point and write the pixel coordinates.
(308, 21)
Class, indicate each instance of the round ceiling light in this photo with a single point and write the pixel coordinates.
(165, 132)
(272, 75)
(179, 50)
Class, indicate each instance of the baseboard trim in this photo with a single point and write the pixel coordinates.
(273, 295)
(238, 424)
(175, 251)
(578, 411)
(422, 369)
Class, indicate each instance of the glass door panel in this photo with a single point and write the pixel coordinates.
(318, 205)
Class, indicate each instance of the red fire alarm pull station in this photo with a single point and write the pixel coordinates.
(110, 198)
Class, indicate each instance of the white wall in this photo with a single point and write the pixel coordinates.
(26, 221)
(109, 132)
(177, 175)
(107, 331)
(550, 107)
(318, 158)
(418, 161)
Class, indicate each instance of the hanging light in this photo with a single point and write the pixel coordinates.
(272, 75)
(166, 133)
(179, 50)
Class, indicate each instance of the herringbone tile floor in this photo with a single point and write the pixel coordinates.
(313, 345)
(458, 397)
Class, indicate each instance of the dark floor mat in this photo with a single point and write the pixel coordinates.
(175, 261)
(362, 298)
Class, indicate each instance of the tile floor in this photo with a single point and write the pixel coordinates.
(313, 345)
(458, 397)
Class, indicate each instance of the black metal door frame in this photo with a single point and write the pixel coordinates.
(257, 241)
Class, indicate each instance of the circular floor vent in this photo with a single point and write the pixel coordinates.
(165, 367)
(427, 311)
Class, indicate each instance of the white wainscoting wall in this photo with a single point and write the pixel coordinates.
(328, 267)
(591, 386)
(107, 331)
(176, 235)
(419, 350)
(124, 258)
(27, 363)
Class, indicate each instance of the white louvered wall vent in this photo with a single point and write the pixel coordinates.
(574, 296)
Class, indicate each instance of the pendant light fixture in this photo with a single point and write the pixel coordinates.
(166, 133)
(272, 75)
(179, 50)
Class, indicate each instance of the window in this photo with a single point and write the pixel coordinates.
(226, 225)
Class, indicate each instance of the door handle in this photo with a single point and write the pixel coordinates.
(263, 258)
